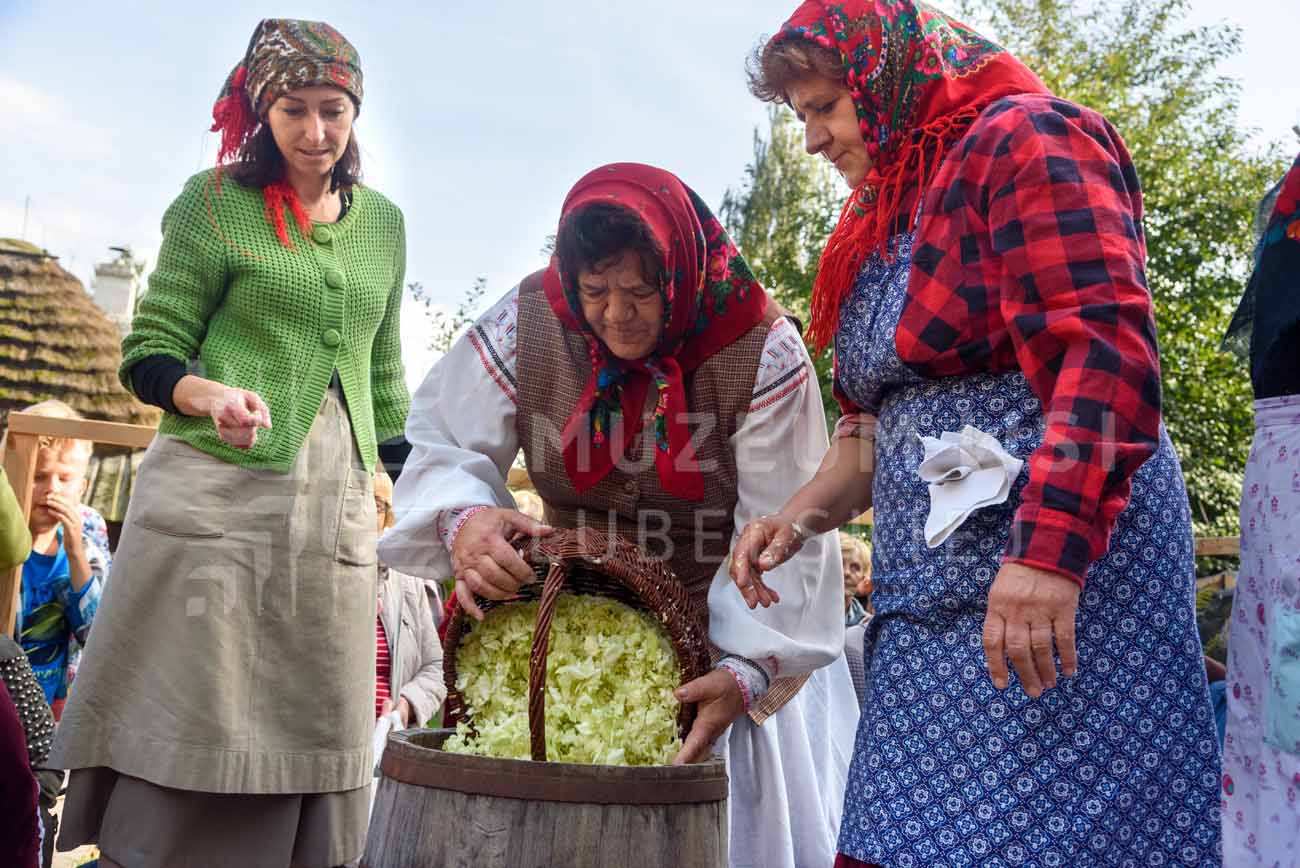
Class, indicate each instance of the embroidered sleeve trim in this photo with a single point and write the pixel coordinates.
(494, 337)
(783, 367)
(492, 364)
(450, 521)
(752, 679)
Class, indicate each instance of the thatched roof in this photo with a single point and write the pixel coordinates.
(55, 343)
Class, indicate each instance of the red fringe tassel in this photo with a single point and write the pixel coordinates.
(867, 221)
(278, 195)
(233, 117)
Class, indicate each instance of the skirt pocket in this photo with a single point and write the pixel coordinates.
(1282, 715)
(357, 524)
(182, 491)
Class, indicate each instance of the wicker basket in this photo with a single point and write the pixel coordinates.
(588, 562)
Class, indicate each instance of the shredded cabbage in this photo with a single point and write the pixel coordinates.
(610, 676)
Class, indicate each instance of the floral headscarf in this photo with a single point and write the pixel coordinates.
(918, 80)
(711, 299)
(283, 54)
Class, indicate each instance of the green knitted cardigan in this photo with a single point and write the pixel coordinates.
(231, 301)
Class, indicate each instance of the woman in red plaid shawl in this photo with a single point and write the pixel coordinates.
(996, 364)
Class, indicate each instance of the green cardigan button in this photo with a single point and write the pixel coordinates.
(331, 338)
(321, 235)
(334, 279)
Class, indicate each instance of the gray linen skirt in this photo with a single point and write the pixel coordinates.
(223, 711)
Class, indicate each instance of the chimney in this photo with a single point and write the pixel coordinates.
(115, 287)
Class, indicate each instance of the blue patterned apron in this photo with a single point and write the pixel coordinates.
(1117, 766)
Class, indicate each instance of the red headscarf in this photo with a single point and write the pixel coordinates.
(711, 299)
(918, 80)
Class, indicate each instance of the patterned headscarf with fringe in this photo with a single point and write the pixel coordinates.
(283, 54)
(918, 79)
(711, 299)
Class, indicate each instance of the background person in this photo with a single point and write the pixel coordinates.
(855, 556)
(1261, 754)
(63, 577)
(217, 718)
(408, 657)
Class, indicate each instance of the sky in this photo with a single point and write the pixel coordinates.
(476, 121)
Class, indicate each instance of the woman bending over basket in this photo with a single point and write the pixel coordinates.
(656, 392)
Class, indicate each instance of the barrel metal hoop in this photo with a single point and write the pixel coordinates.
(551, 782)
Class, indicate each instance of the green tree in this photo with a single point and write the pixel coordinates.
(781, 216)
(446, 326)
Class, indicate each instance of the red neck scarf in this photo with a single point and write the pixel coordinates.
(283, 54)
(711, 299)
(918, 80)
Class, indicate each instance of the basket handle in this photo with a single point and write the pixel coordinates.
(555, 577)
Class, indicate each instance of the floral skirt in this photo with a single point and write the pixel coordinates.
(1261, 753)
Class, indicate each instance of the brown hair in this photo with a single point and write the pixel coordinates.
(598, 231)
(260, 162)
(775, 65)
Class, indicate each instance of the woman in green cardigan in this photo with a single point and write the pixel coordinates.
(219, 717)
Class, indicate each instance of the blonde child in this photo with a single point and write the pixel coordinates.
(63, 576)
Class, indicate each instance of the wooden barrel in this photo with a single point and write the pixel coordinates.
(436, 809)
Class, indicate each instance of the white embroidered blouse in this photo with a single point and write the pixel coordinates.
(463, 437)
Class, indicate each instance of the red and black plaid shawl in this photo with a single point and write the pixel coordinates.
(1029, 253)
(1031, 256)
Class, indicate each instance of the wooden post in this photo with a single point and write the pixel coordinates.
(18, 452)
(20, 467)
(1212, 546)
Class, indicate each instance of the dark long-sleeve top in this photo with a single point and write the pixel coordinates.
(1275, 285)
(26, 728)
(154, 378)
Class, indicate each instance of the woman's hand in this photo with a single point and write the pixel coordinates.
(403, 709)
(1027, 608)
(236, 413)
(485, 562)
(840, 490)
(766, 542)
(720, 703)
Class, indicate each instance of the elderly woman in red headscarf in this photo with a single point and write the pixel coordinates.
(996, 364)
(654, 389)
